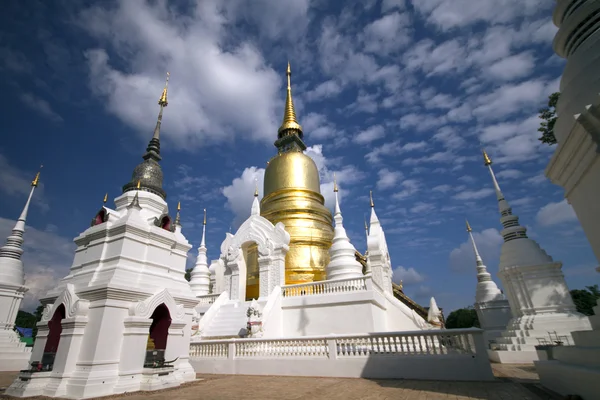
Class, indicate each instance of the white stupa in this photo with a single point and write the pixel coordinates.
(200, 275)
(343, 264)
(13, 353)
(493, 310)
(541, 305)
(120, 321)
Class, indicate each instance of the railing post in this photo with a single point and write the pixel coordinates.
(231, 351)
(368, 282)
(332, 344)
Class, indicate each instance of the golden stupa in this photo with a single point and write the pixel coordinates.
(292, 195)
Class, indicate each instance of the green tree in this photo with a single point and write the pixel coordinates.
(462, 318)
(585, 299)
(188, 274)
(25, 319)
(548, 117)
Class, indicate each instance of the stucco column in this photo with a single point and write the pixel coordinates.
(265, 278)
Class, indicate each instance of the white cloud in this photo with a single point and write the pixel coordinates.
(388, 34)
(240, 193)
(47, 257)
(473, 194)
(488, 243)
(370, 134)
(388, 179)
(509, 174)
(215, 91)
(393, 149)
(556, 213)
(409, 187)
(387, 5)
(513, 67)
(442, 188)
(324, 90)
(408, 276)
(40, 106)
(421, 207)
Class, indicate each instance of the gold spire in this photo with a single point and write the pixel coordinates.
(138, 185)
(255, 187)
(178, 206)
(335, 188)
(105, 198)
(486, 159)
(371, 198)
(204, 222)
(163, 97)
(289, 115)
(468, 226)
(36, 180)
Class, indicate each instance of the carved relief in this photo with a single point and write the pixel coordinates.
(74, 306)
(146, 308)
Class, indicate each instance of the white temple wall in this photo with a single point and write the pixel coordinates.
(584, 199)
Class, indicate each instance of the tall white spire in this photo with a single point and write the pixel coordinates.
(11, 266)
(518, 249)
(255, 204)
(200, 276)
(343, 263)
(487, 289)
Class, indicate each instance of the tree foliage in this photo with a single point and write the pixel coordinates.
(548, 117)
(188, 274)
(585, 299)
(462, 318)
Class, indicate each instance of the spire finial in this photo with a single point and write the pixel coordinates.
(138, 184)
(335, 187)
(486, 158)
(255, 187)
(36, 180)
(371, 198)
(179, 206)
(204, 221)
(289, 116)
(105, 199)
(468, 226)
(366, 226)
(163, 97)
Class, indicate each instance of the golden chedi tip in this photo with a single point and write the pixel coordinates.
(289, 114)
(105, 199)
(335, 187)
(36, 180)
(204, 221)
(468, 226)
(163, 97)
(486, 158)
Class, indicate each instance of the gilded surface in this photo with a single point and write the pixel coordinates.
(292, 196)
(252, 276)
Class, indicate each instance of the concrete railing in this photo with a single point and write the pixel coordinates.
(207, 299)
(325, 287)
(458, 354)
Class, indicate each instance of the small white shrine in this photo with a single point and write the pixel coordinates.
(541, 305)
(13, 353)
(120, 321)
(493, 309)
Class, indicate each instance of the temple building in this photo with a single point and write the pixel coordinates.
(575, 166)
(120, 321)
(541, 305)
(13, 353)
(493, 310)
(291, 259)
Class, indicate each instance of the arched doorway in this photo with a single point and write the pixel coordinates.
(53, 339)
(157, 337)
(250, 252)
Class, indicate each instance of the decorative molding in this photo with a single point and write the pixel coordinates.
(146, 308)
(74, 306)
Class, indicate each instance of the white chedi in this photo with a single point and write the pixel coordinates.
(343, 263)
(200, 276)
(434, 315)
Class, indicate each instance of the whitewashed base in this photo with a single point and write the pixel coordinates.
(568, 379)
(447, 368)
(14, 355)
(158, 378)
(512, 357)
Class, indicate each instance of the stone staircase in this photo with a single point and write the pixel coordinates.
(14, 356)
(230, 321)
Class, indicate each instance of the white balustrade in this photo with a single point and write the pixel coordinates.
(207, 299)
(457, 354)
(325, 287)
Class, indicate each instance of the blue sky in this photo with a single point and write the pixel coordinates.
(395, 96)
